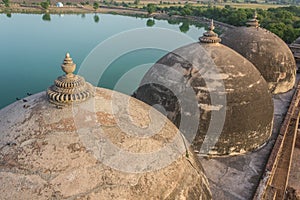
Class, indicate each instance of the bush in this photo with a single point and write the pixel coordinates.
(151, 8)
(45, 5)
(185, 26)
(96, 18)
(96, 5)
(6, 3)
(150, 22)
(125, 4)
(46, 17)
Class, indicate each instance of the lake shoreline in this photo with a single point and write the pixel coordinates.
(87, 9)
(79, 9)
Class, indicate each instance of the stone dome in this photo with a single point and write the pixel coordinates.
(295, 48)
(109, 146)
(229, 98)
(270, 55)
(297, 41)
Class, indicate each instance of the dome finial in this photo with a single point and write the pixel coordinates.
(253, 22)
(69, 88)
(255, 15)
(68, 66)
(210, 36)
(212, 27)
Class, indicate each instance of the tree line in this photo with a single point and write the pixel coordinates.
(283, 21)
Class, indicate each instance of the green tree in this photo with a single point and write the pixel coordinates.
(277, 28)
(186, 10)
(96, 18)
(238, 17)
(289, 34)
(125, 4)
(151, 8)
(136, 2)
(296, 24)
(150, 22)
(185, 27)
(46, 17)
(6, 3)
(96, 5)
(45, 5)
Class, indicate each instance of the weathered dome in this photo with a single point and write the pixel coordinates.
(226, 90)
(295, 48)
(297, 41)
(110, 146)
(270, 55)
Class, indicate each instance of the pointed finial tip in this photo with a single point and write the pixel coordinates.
(255, 15)
(212, 27)
(68, 66)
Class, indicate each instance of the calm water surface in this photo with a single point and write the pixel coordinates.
(32, 50)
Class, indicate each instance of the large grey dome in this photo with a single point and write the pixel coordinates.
(297, 41)
(224, 84)
(270, 55)
(98, 148)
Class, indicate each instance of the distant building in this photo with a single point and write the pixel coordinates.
(295, 48)
(59, 4)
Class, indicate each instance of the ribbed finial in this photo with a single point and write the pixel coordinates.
(255, 15)
(68, 66)
(69, 88)
(211, 27)
(253, 22)
(210, 36)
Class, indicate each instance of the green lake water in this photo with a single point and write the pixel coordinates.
(32, 48)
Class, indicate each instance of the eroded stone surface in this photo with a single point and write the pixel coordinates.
(63, 153)
(237, 178)
(270, 55)
(225, 87)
